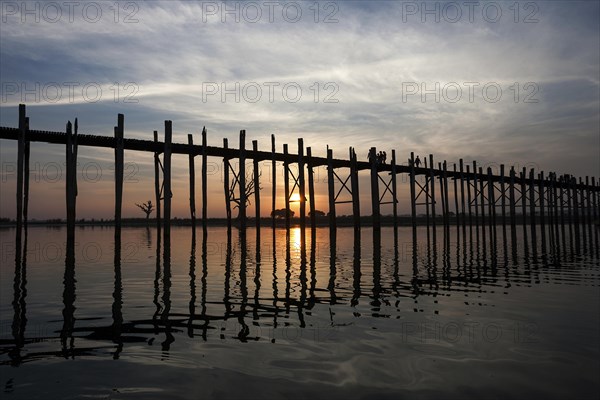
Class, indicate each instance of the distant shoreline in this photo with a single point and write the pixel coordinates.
(341, 221)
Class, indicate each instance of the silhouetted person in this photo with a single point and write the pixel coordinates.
(417, 162)
(383, 157)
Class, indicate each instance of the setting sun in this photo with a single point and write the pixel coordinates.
(295, 197)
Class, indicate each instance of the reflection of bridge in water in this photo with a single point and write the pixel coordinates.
(472, 265)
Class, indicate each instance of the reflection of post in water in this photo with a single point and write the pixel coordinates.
(192, 305)
(376, 303)
(244, 330)
(166, 345)
(595, 195)
(356, 272)
(68, 301)
(303, 282)
(415, 265)
(19, 323)
(275, 291)
(117, 314)
(332, 265)
(203, 283)
(226, 288)
(287, 271)
(255, 315)
(313, 268)
(157, 275)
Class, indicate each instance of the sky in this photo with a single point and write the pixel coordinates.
(514, 83)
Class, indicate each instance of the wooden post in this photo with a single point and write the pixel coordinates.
(482, 195)
(71, 183)
(394, 190)
(574, 190)
(413, 201)
(226, 184)
(589, 192)
(469, 200)
(204, 181)
(523, 179)
(532, 207)
(457, 211)
(445, 172)
(157, 182)
(541, 196)
(475, 198)
(432, 191)
(20, 162)
(242, 181)
(273, 181)
(331, 189)
(512, 200)
(491, 204)
(301, 185)
(27, 154)
(286, 184)
(355, 191)
(462, 197)
(119, 167)
(442, 196)
(503, 199)
(167, 182)
(375, 190)
(555, 190)
(311, 191)
(427, 205)
(256, 186)
(561, 187)
(595, 212)
(192, 177)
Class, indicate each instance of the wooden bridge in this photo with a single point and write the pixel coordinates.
(544, 199)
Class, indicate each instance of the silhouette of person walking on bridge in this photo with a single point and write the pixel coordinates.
(417, 162)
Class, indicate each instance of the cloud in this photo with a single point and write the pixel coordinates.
(177, 50)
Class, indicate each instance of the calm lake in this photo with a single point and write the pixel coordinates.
(282, 316)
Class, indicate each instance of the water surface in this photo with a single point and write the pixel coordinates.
(374, 316)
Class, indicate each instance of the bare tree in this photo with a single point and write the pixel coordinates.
(147, 207)
(250, 189)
